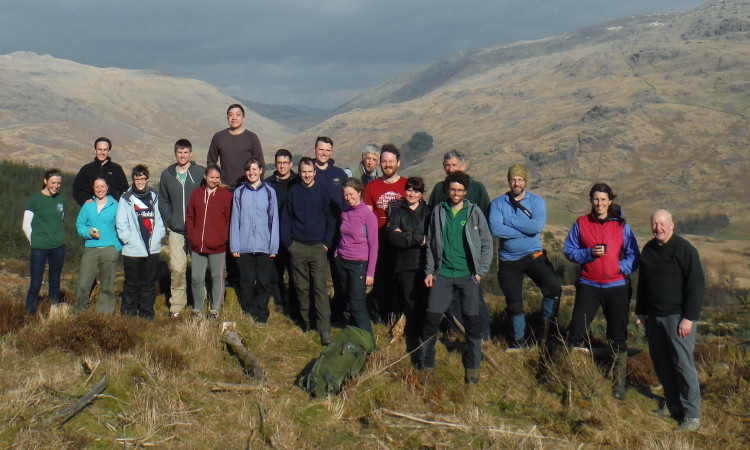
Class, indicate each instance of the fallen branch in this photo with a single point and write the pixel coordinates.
(486, 356)
(234, 387)
(68, 413)
(250, 364)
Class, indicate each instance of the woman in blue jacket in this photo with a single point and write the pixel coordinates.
(96, 225)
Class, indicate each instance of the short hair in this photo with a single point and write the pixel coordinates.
(323, 139)
(210, 167)
(253, 160)
(99, 178)
(103, 139)
(236, 105)
(54, 172)
(456, 177)
(355, 184)
(305, 161)
(371, 149)
(602, 187)
(390, 148)
(450, 154)
(283, 152)
(415, 184)
(139, 170)
(183, 143)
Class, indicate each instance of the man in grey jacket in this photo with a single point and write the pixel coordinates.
(177, 183)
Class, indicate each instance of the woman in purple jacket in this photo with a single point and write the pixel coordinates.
(357, 252)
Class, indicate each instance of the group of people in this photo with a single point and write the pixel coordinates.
(368, 227)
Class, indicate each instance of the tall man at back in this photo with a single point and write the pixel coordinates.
(380, 195)
(101, 167)
(176, 184)
(517, 218)
(232, 147)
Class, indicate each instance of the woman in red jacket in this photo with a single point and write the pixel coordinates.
(207, 223)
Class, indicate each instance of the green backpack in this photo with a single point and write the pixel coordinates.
(340, 361)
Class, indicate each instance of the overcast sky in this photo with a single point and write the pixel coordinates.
(306, 52)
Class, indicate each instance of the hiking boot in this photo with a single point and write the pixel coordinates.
(666, 412)
(690, 424)
(212, 313)
(325, 338)
(621, 371)
(174, 315)
(471, 376)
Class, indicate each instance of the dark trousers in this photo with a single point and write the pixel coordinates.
(352, 275)
(39, 258)
(672, 357)
(139, 288)
(413, 296)
(309, 270)
(484, 314)
(256, 273)
(284, 297)
(384, 299)
(539, 269)
(441, 294)
(614, 302)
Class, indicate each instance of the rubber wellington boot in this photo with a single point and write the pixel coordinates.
(621, 371)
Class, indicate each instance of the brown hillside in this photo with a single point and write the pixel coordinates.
(51, 110)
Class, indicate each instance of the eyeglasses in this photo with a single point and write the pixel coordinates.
(140, 179)
(283, 163)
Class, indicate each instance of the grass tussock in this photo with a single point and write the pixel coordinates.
(84, 334)
(12, 315)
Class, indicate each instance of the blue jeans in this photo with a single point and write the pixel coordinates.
(39, 257)
(352, 275)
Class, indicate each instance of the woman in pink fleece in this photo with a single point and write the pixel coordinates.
(357, 252)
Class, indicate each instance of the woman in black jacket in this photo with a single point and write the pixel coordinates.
(407, 230)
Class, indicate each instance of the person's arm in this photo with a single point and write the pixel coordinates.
(369, 201)
(190, 216)
(274, 223)
(213, 150)
(121, 222)
(165, 203)
(234, 224)
(28, 216)
(82, 227)
(80, 193)
(497, 222)
(631, 255)
(693, 282)
(371, 225)
(485, 257)
(256, 149)
(572, 247)
(534, 225)
(159, 228)
(429, 256)
(397, 235)
(329, 219)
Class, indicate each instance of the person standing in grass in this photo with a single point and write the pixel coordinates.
(254, 239)
(459, 253)
(671, 286)
(43, 226)
(140, 229)
(207, 224)
(605, 247)
(357, 253)
(101, 252)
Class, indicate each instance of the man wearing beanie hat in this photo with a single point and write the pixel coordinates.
(517, 218)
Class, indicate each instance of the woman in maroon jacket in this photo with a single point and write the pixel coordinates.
(207, 222)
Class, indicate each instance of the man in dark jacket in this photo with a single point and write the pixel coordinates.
(177, 183)
(670, 297)
(101, 167)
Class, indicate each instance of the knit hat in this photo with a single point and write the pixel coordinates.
(517, 170)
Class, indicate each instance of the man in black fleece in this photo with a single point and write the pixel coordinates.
(670, 297)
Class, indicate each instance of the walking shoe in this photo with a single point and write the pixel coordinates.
(471, 376)
(690, 424)
(174, 315)
(212, 313)
(666, 412)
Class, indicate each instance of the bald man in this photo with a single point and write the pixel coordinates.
(670, 298)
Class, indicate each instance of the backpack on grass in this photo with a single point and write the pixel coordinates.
(340, 361)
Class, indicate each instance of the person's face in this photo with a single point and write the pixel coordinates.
(183, 156)
(283, 165)
(307, 174)
(456, 192)
(600, 204)
(517, 185)
(53, 184)
(662, 227)
(213, 178)
(323, 152)
(389, 164)
(413, 196)
(370, 162)
(100, 189)
(453, 165)
(140, 182)
(351, 196)
(235, 118)
(102, 151)
(253, 173)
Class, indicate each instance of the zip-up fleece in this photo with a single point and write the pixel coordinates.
(103, 220)
(254, 227)
(477, 235)
(174, 196)
(129, 231)
(359, 236)
(207, 222)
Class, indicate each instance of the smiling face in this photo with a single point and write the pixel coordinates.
(253, 173)
(235, 118)
(53, 184)
(213, 178)
(351, 196)
(307, 174)
(662, 226)
(451, 165)
(389, 164)
(283, 166)
(102, 151)
(600, 204)
(517, 185)
(413, 196)
(456, 192)
(100, 189)
(323, 152)
(140, 182)
(183, 156)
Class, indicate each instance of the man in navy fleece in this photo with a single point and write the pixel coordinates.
(307, 227)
